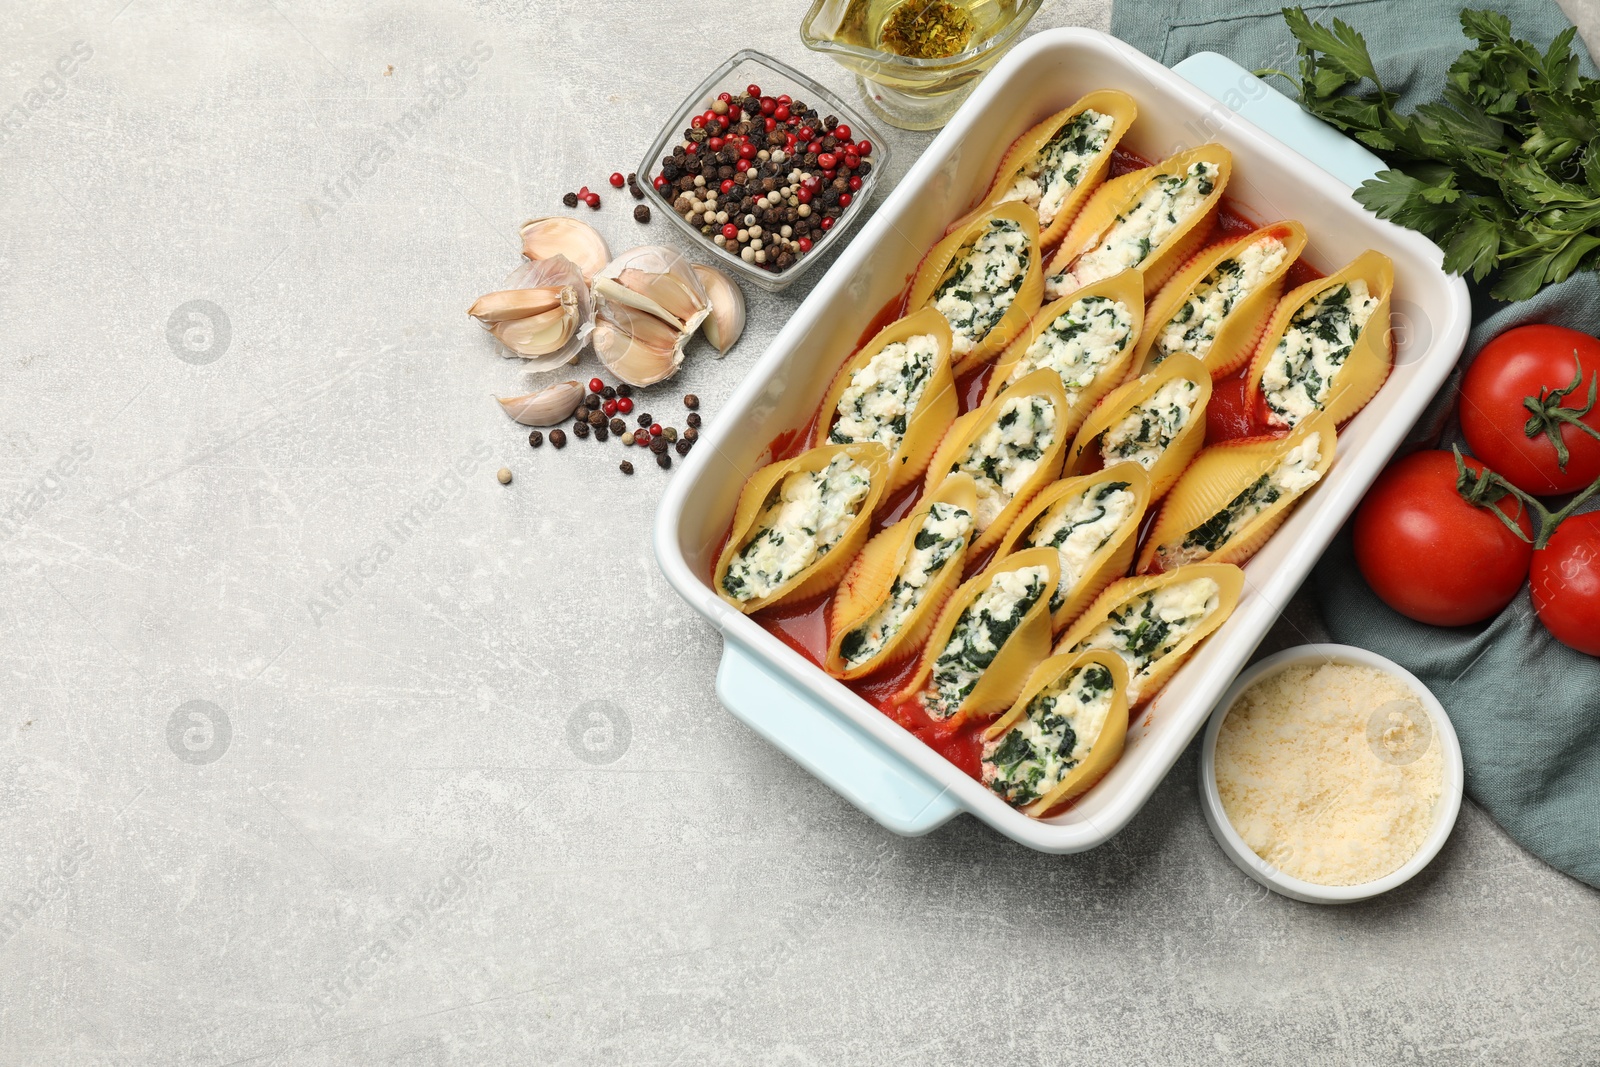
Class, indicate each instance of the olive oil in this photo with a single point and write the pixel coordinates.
(922, 29)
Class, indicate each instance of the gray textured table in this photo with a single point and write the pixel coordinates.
(387, 833)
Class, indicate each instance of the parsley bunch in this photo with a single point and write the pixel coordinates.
(1502, 171)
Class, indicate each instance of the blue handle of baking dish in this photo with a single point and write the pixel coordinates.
(1240, 91)
(854, 764)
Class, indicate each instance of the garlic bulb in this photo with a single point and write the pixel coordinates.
(541, 313)
(546, 407)
(557, 235)
(726, 321)
(650, 302)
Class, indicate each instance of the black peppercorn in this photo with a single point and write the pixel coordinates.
(625, 467)
(535, 439)
(641, 213)
(658, 445)
(682, 447)
(618, 427)
(624, 389)
(571, 200)
(663, 460)
(645, 419)
(693, 419)
(601, 433)
(597, 418)
(691, 435)
(609, 392)
(691, 401)
(558, 438)
(592, 401)
(670, 433)
(580, 429)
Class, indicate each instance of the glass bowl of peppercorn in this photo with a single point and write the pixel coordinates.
(763, 170)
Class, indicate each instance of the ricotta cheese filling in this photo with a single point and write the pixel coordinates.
(1007, 454)
(1058, 167)
(1144, 433)
(1167, 203)
(1079, 344)
(1152, 624)
(1193, 327)
(1055, 734)
(938, 540)
(804, 517)
(1294, 475)
(881, 396)
(1080, 526)
(978, 636)
(1301, 369)
(982, 282)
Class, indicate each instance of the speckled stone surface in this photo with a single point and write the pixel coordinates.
(318, 746)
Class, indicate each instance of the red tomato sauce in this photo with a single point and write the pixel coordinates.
(803, 626)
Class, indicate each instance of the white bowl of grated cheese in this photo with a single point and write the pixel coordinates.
(1330, 774)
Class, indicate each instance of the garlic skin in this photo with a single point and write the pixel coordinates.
(553, 331)
(726, 321)
(650, 303)
(546, 407)
(558, 235)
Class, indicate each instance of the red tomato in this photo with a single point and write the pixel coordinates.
(1432, 556)
(1518, 364)
(1228, 414)
(1566, 583)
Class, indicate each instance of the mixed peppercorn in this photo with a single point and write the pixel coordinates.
(764, 177)
(586, 196)
(600, 416)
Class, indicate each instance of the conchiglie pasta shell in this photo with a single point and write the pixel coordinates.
(1241, 327)
(1142, 687)
(1107, 744)
(1111, 561)
(1123, 111)
(1120, 401)
(867, 582)
(1365, 369)
(1026, 646)
(1116, 196)
(974, 424)
(1127, 289)
(934, 412)
(1219, 474)
(934, 265)
(823, 574)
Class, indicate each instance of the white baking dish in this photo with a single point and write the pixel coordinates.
(861, 753)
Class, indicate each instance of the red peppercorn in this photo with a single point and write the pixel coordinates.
(768, 105)
(659, 181)
(851, 160)
(770, 123)
(726, 98)
(842, 132)
(752, 90)
(593, 200)
(827, 224)
(785, 98)
(609, 407)
(655, 429)
(827, 175)
(624, 404)
(814, 147)
(730, 231)
(782, 113)
(855, 182)
(747, 151)
(827, 161)
(804, 195)
(617, 180)
(691, 148)
(595, 385)
(698, 122)
(813, 184)
(789, 141)
(863, 148)
(844, 199)
(641, 438)
(806, 133)
(735, 113)
(583, 192)
(726, 186)
(804, 243)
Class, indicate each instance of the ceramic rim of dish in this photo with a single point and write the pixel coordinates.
(1446, 808)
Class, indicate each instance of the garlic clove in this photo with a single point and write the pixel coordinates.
(544, 333)
(657, 280)
(654, 332)
(546, 407)
(640, 359)
(557, 235)
(726, 321)
(515, 304)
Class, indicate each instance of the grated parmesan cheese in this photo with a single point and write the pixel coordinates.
(1330, 773)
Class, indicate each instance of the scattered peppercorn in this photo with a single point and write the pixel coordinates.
(618, 427)
(558, 438)
(624, 390)
(691, 401)
(670, 433)
(580, 428)
(608, 392)
(682, 447)
(625, 467)
(597, 418)
(693, 419)
(691, 435)
(645, 418)
(504, 474)
(658, 445)
(535, 439)
(641, 213)
(627, 438)
(592, 401)
(571, 200)
(593, 200)
(663, 460)
(601, 433)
